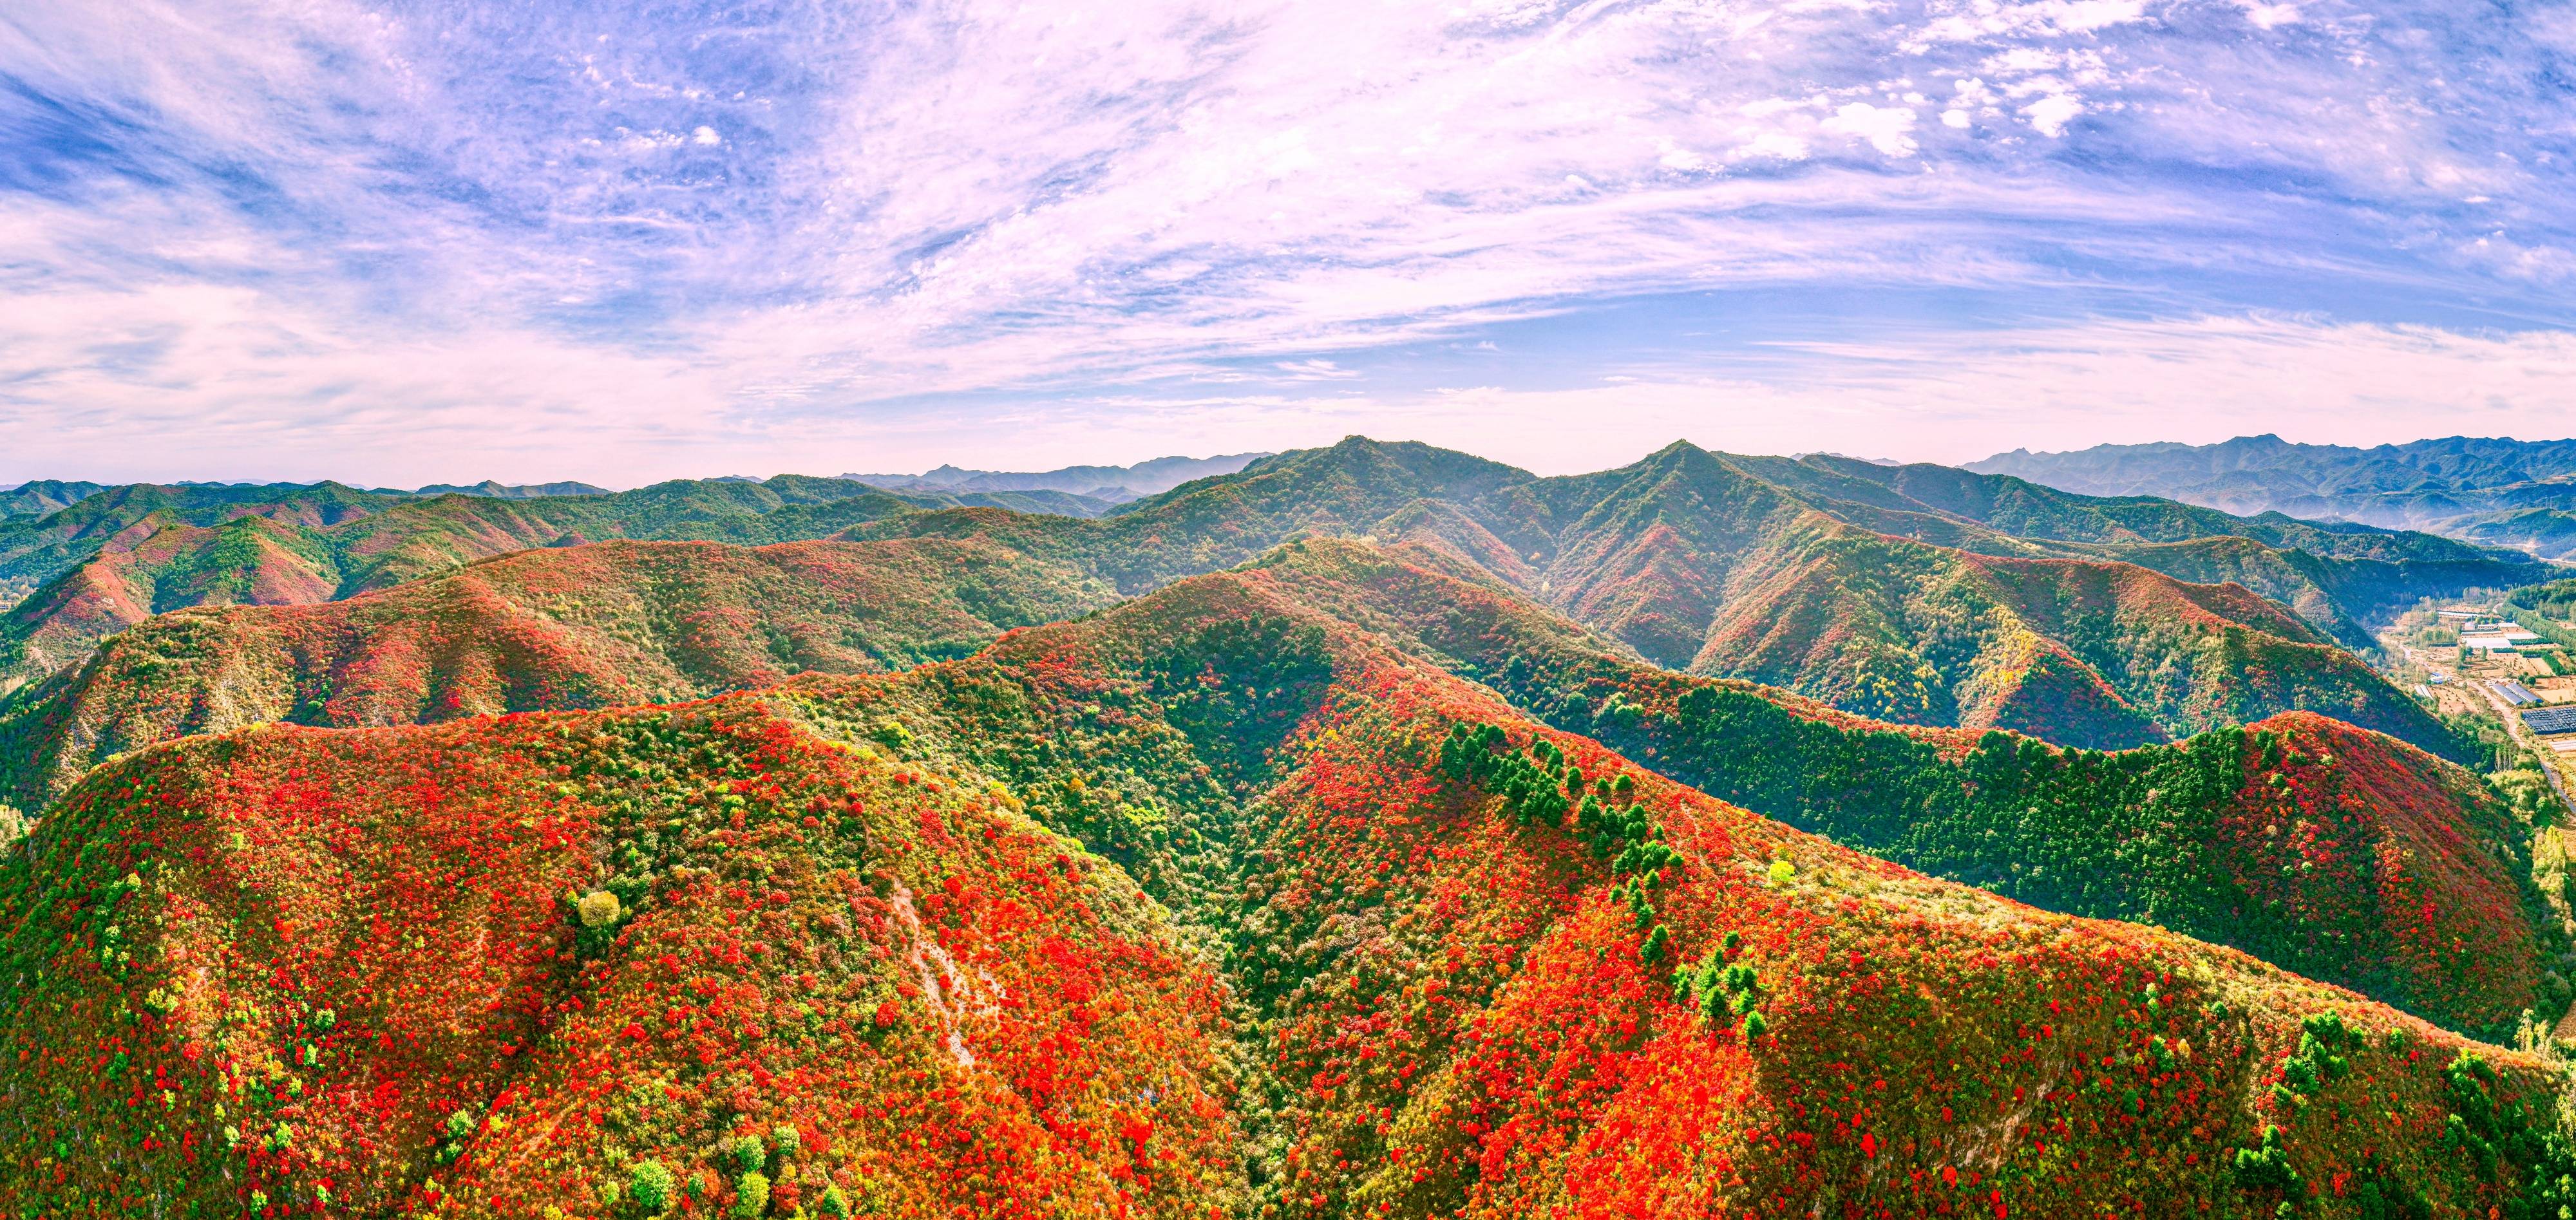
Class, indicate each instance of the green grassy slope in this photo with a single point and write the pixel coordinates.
(38, 497)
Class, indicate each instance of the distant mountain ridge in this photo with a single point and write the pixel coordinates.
(618, 622)
(2494, 491)
(41, 496)
(1100, 482)
(1917, 594)
(527, 491)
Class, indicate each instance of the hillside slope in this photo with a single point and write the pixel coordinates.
(804, 949)
(578, 627)
(2336, 852)
(346, 973)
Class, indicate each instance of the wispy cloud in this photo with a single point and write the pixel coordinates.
(603, 240)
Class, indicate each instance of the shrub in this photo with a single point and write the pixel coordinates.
(2267, 1165)
(599, 908)
(651, 1187)
(751, 1195)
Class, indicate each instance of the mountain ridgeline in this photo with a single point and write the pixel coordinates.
(2340, 853)
(576, 627)
(1112, 484)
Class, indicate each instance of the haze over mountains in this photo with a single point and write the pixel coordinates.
(2493, 491)
(1371, 830)
(1114, 484)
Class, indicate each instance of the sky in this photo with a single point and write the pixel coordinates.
(404, 243)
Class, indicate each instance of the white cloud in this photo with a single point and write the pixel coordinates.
(1886, 128)
(1315, 370)
(1776, 145)
(2269, 16)
(2050, 115)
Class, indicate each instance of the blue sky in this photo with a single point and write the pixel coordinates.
(618, 242)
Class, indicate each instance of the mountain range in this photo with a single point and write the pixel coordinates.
(41, 496)
(2491, 491)
(1910, 593)
(1374, 830)
(1916, 594)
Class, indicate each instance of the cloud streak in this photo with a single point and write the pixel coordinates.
(439, 241)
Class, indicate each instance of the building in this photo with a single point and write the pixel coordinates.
(2503, 639)
(2515, 693)
(2552, 722)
